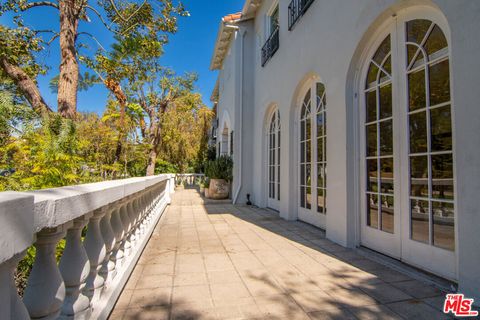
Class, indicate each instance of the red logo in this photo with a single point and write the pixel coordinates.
(459, 305)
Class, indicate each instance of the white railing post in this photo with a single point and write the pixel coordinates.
(75, 267)
(138, 218)
(108, 266)
(12, 306)
(118, 231)
(126, 245)
(168, 189)
(16, 235)
(172, 184)
(131, 217)
(45, 290)
(144, 214)
(95, 247)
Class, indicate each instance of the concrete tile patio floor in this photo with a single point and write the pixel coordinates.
(219, 261)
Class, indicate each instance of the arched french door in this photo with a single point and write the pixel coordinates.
(312, 164)
(408, 209)
(274, 161)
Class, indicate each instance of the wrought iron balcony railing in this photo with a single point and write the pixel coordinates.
(270, 46)
(296, 9)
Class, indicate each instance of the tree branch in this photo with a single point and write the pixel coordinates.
(53, 38)
(39, 4)
(26, 85)
(101, 18)
(114, 6)
(95, 39)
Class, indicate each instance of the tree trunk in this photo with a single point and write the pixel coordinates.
(68, 80)
(152, 159)
(155, 139)
(26, 85)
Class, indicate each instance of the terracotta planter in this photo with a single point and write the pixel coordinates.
(207, 195)
(218, 189)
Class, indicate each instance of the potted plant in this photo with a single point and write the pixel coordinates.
(220, 173)
(204, 187)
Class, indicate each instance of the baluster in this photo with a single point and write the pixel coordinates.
(151, 203)
(148, 208)
(138, 219)
(95, 247)
(131, 231)
(75, 267)
(107, 270)
(45, 289)
(8, 289)
(143, 215)
(154, 203)
(119, 232)
(168, 192)
(126, 245)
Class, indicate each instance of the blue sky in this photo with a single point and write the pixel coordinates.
(189, 50)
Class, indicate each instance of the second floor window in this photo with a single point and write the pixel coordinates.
(272, 35)
(273, 21)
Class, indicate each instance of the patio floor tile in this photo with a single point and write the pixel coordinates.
(219, 261)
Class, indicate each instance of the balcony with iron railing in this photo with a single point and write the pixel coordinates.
(296, 9)
(270, 46)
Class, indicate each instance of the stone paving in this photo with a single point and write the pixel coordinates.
(219, 261)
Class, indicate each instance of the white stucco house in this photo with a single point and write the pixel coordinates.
(396, 168)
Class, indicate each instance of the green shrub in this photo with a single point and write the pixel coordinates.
(220, 168)
(206, 183)
(163, 166)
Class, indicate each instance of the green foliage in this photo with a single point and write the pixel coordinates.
(206, 183)
(165, 167)
(20, 46)
(85, 81)
(211, 153)
(220, 168)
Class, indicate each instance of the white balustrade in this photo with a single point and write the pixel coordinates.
(95, 247)
(85, 284)
(126, 246)
(45, 287)
(189, 179)
(16, 235)
(117, 252)
(74, 268)
(107, 271)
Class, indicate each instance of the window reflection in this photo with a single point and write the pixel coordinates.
(379, 140)
(431, 170)
(443, 225)
(420, 220)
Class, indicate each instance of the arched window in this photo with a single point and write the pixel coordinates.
(274, 160)
(305, 153)
(379, 140)
(321, 130)
(408, 176)
(313, 158)
(430, 135)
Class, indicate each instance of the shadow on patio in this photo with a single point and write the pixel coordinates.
(219, 261)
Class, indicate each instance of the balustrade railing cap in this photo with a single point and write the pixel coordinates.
(16, 223)
(54, 207)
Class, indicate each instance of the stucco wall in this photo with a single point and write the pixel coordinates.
(326, 44)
